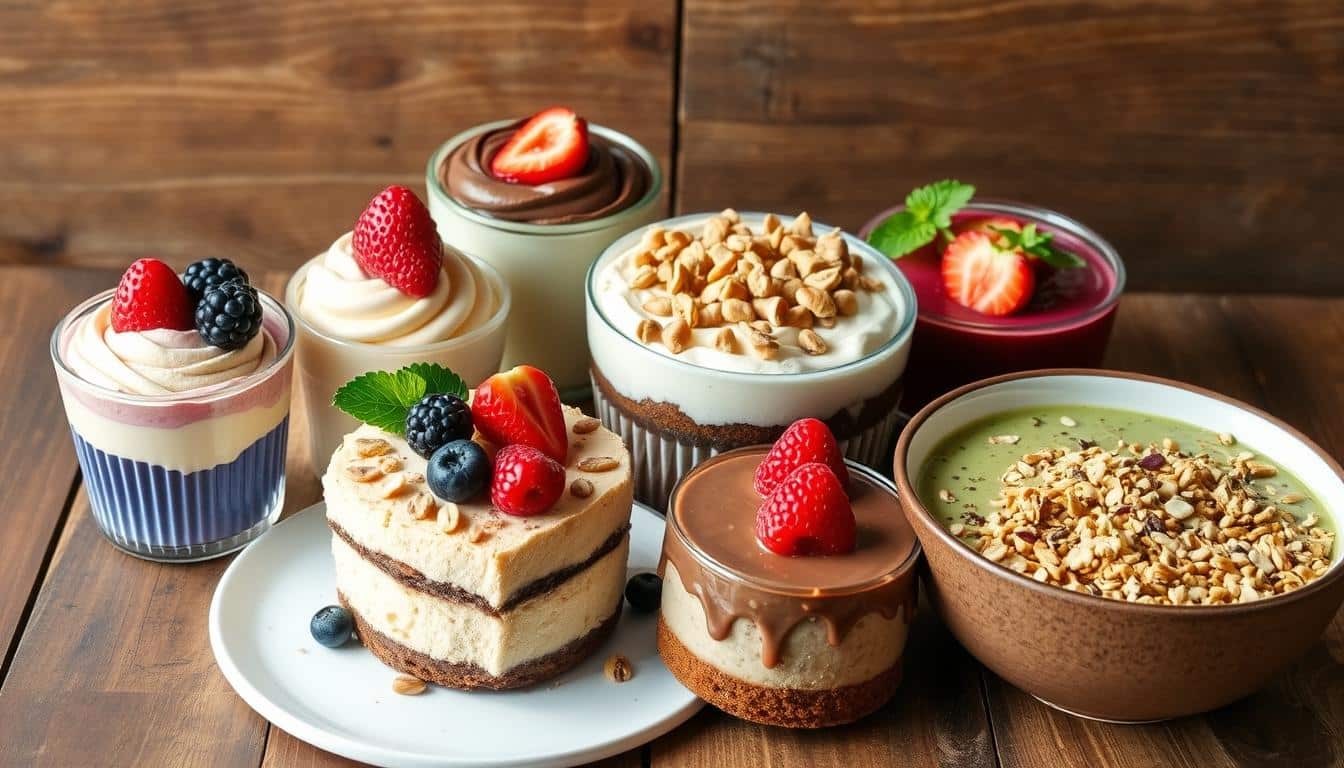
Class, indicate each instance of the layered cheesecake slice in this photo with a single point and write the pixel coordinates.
(465, 596)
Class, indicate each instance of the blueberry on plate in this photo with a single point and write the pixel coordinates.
(644, 591)
(458, 471)
(436, 421)
(205, 274)
(229, 315)
(332, 626)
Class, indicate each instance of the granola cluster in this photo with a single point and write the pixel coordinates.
(746, 284)
(1150, 524)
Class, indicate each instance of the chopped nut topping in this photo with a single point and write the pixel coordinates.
(1004, 439)
(659, 305)
(1149, 525)
(676, 336)
(726, 341)
(649, 331)
(586, 425)
(811, 343)
(363, 471)
(422, 505)
(581, 488)
(367, 447)
(1068, 422)
(408, 686)
(450, 518)
(618, 669)
(946, 496)
(598, 464)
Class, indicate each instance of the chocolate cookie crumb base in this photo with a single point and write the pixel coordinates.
(471, 676)
(414, 579)
(785, 707)
(668, 419)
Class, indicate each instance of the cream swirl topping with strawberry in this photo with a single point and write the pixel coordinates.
(339, 298)
(158, 361)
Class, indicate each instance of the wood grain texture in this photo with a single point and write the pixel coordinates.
(937, 718)
(1259, 350)
(33, 435)
(259, 130)
(1201, 138)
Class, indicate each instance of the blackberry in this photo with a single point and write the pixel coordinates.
(229, 315)
(207, 273)
(436, 421)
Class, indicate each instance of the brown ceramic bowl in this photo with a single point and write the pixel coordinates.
(1102, 658)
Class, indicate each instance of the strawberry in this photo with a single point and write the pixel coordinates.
(808, 514)
(806, 440)
(981, 275)
(151, 295)
(521, 407)
(526, 481)
(396, 240)
(551, 145)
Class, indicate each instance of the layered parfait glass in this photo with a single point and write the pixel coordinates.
(1066, 324)
(543, 237)
(182, 445)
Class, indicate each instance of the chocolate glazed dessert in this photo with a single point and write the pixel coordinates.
(791, 641)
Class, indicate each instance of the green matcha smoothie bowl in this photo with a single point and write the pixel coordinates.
(1122, 547)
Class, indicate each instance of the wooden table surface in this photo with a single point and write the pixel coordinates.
(106, 659)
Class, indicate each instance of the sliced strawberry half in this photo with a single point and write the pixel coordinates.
(805, 441)
(396, 241)
(551, 145)
(982, 276)
(151, 295)
(808, 514)
(521, 407)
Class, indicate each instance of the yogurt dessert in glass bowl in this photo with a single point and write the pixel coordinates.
(1122, 547)
(994, 301)
(715, 331)
(542, 219)
(406, 298)
(178, 401)
(792, 607)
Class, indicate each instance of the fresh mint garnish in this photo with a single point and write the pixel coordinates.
(928, 212)
(1038, 244)
(382, 399)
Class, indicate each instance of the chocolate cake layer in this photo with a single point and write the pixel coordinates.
(469, 676)
(668, 419)
(786, 707)
(412, 578)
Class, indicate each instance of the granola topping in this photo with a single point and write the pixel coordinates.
(1150, 524)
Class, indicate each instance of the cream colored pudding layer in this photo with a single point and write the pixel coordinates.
(518, 551)
(807, 661)
(341, 300)
(161, 361)
(460, 633)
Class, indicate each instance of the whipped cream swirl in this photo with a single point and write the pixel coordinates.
(161, 361)
(341, 300)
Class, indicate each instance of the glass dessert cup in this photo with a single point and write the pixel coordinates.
(1068, 324)
(326, 362)
(675, 414)
(184, 476)
(786, 641)
(543, 264)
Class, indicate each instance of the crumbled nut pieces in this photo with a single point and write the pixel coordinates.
(450, 518)
(586, 425)
(581, 488)
(1068, 422)
(363, 471)
(946, 496)
(598, 464)
(618, 669)
(784, 276)
(406, 685)
(367, 447)
(1004, 439)
(1152, 525)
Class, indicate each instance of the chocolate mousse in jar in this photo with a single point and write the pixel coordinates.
(353, 315)
(539, 199)
(178, 403)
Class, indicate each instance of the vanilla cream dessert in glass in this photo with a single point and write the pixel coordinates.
(350, 322)
(543, 237)
(181, 443)
(709, 332)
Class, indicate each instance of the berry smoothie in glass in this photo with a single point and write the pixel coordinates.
(1001, 286)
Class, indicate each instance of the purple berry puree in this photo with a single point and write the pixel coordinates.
(1067, 324)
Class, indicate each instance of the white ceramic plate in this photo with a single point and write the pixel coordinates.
(341, 700)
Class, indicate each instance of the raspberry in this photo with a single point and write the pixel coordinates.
(805, 440)
(527, 481)
(808, 514)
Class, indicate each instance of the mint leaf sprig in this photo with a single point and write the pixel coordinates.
(382, 399)
(928, 212)
(1038, 244)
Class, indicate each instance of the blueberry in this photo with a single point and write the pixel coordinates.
(332, 626)
(435, 421)
(458, 471)
(644, 591)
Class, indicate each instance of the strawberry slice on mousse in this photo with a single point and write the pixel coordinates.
(980, 274)
(551, 145)
(150, 295)
(521, 407)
